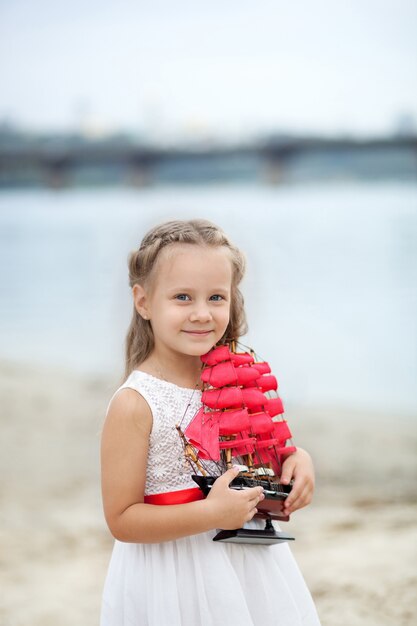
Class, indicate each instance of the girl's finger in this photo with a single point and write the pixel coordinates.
(300, 501)
(287, 470)
(252, 513)
(256, 494)
(294, 494)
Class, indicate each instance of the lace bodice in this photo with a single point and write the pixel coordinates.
(167, 469)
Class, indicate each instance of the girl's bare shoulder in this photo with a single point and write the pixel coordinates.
(128, 408)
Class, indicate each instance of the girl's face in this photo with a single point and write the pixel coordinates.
(188, 300)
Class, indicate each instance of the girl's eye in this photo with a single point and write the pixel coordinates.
(216, 298)
(182, 296)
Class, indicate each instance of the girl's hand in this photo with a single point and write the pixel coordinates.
(299, 467)
(232, 507)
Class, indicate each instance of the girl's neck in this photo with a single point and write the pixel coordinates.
(184, 371)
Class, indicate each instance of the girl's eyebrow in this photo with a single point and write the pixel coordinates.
(214, 289)
(181, 289)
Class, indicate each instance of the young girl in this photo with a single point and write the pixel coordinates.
(165, 569)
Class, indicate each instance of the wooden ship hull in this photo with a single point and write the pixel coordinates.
(275, 495)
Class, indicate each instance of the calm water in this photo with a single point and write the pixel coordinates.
(330, 290)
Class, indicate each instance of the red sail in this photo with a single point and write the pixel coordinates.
(233, 397)
(236, 443)
(241, 358)
(269, 448)
(270, 451)
(247, 376)
(263, 368)
(253, 398)
(266, 443)
(279, 457)
(220, 375)
(274, 406)
(286, 451)
(266, 455)
(243, 448)
(219, 354)
(232, 422)
(203, 434)
(193, 430)
(267, 383)
(223, 398)
(241, 445)
(226, 373)
(261, 423)
(282, 431)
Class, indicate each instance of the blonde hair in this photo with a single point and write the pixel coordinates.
(142, 262)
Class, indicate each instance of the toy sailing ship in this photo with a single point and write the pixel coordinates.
(240, 424)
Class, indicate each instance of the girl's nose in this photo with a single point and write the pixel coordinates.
(201, 313)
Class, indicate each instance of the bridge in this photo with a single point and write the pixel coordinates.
(66, 162)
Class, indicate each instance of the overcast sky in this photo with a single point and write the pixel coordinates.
(209, 67)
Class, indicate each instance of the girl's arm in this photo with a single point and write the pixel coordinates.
(124, 453)
(298, 466)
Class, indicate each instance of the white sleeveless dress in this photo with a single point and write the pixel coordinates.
(194, 581)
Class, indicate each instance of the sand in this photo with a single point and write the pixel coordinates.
(356, 543)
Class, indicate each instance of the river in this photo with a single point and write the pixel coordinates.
(330, 289)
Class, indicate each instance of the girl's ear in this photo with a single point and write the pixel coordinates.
(140, 300)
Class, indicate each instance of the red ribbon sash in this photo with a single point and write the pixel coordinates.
(175, 497)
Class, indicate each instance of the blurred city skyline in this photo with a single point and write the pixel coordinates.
(235, 69)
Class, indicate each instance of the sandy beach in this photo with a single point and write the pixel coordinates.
(356, 544)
